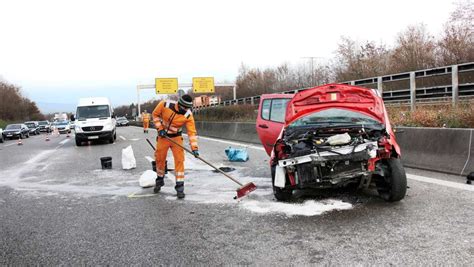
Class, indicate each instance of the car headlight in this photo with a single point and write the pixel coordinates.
(78, 129)
(108, 127)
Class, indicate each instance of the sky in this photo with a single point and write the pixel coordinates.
(58, 51)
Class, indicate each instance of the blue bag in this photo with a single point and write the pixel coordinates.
(236, 154)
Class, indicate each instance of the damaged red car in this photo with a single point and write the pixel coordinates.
(330, 136)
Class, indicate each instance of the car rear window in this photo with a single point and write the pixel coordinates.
(274, 109)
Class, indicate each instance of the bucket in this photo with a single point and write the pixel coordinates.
(153, 166)
(106, 162)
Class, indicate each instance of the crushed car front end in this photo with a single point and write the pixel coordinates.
(334, 136)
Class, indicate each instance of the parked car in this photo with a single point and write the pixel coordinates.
(45, 126)
(122, 121)
(16, 131)
(1, 135)
(330, 136)
(33, 126)
(62, 126)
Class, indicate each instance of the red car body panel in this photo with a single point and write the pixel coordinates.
(268, 130)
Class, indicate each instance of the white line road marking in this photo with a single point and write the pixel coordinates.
(232, 143)
(10, 144)
(150, 159)
(123, 138)
(440, 182)
(64, 141)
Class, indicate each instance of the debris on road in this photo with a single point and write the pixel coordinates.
(237, 154)
(470, 177)
(128, 159)
(242, 191)
(147, 179)
(106, 162)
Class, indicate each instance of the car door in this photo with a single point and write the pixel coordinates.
(271, 118)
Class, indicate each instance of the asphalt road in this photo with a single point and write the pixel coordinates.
(57, 206)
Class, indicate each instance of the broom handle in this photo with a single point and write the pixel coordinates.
(150, 144)
(203, 160)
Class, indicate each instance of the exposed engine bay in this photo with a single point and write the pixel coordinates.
(328, 156)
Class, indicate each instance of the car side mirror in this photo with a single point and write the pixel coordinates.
(113, 115)
(73, 118)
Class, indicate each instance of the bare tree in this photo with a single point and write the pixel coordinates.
(414, 49)
(457, 41)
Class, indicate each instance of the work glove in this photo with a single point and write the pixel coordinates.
(162, 133)
(196, 153)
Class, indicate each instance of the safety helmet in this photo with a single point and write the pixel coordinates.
(186, 101)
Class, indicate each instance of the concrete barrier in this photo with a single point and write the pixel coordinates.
(443, 150)
(238, 131)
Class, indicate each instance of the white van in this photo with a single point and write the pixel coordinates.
(94, 120)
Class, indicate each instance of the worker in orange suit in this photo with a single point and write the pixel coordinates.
(146, 121)
(169, 117)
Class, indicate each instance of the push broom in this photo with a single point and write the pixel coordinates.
(242, 191)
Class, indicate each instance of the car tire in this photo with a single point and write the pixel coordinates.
(78, 142)
(281, 194)
(394, 186)
(28, 135)
(1, 139)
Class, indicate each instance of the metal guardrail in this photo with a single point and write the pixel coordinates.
(412, 95)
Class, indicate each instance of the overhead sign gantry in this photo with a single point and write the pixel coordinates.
(170, 86)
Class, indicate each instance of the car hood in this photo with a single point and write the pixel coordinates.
(343, 96)
(11, 131)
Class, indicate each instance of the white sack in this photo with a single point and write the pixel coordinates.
(147, 179)
(128, 159)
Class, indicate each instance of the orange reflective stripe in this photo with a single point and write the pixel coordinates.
(193, 138)
(160, 172)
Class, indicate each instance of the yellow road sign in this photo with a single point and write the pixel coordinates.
(166, 85)
(203, 84)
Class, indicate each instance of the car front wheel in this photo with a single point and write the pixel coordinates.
(394, 185)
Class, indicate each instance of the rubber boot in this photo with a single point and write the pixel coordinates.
(159, 182)
(179, 189)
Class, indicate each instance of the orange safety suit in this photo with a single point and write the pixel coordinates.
(166, 117)
(146, 121)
